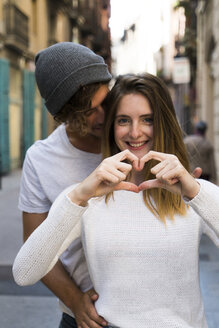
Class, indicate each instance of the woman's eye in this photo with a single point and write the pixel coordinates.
(148, 120)
(122, 121)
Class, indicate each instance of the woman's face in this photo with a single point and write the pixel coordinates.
(133, 126)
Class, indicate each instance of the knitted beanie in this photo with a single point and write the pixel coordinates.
(63, 68)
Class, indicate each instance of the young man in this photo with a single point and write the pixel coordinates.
(73, 82)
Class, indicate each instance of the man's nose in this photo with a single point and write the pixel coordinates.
(100, 113)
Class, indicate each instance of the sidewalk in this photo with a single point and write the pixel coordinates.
(35, 306)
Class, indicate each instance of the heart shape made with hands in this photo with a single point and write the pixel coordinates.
(167, 173)
(138, 165)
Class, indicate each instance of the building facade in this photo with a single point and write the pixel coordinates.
(26, 26)
(148, 39)
(208, 69)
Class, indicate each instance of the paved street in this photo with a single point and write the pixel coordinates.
(35, 306)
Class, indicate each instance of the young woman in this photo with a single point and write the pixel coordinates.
(140, 216)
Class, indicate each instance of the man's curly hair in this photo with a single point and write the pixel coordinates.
(75, 111)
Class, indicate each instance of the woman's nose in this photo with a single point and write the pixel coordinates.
(135, 131)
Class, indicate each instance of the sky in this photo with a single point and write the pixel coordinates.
(126, 12)
(118, 21)
(152, 23)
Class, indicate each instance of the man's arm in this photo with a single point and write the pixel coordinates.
(59, 282)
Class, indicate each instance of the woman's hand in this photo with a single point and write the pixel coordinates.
(170, 175)
(108, 176)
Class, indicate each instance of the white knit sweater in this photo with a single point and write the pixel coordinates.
(146, 273)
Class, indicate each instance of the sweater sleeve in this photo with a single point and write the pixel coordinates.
(42, 249)
(206, 205)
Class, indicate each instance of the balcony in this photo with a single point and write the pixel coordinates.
(16, 28)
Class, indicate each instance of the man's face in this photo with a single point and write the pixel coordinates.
(95, 116)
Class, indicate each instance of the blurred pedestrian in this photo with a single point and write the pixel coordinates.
(73, 81)
(201, 152)
(140, 215)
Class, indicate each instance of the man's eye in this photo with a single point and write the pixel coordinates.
(90, 111)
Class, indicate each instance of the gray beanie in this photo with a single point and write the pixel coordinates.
(63, 68)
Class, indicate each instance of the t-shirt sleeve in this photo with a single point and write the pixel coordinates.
(32, 198)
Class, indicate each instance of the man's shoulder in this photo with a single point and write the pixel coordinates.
(208, 145)
(48, 144)
(192, 138)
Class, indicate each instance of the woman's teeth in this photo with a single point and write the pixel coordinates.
(136, 144)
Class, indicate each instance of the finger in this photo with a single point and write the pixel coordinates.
(127, 186)
(126, 154)
(168, 175)
(158, 155)
(94, 320)
(150, 184)
(197, 172)
(171, 176)
(167, 179)
(157, 168)
(162, 173)
(92, 292)
(91, 324)
(84, 325)
(94, 297)
(112, 178)
(117, 173)
(154, 155)
(124, 167)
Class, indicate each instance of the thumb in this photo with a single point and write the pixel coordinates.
(149, 184)
(156, 183)
(93, 295)
(127, 186)
(197, 172)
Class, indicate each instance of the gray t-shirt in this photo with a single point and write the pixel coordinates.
(50, 166)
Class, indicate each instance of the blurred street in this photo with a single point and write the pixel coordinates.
(20, 307)
(35, 306)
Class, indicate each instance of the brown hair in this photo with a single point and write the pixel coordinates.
(166, 131)
(75, 111)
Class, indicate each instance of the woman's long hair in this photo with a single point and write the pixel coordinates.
(167, 135)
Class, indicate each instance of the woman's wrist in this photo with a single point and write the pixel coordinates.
(76, 197)
(193, 191)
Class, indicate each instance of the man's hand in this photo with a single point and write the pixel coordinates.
(85, 312)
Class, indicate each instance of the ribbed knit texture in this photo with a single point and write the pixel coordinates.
(146, 273)
(63, 68)
(31, 263)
